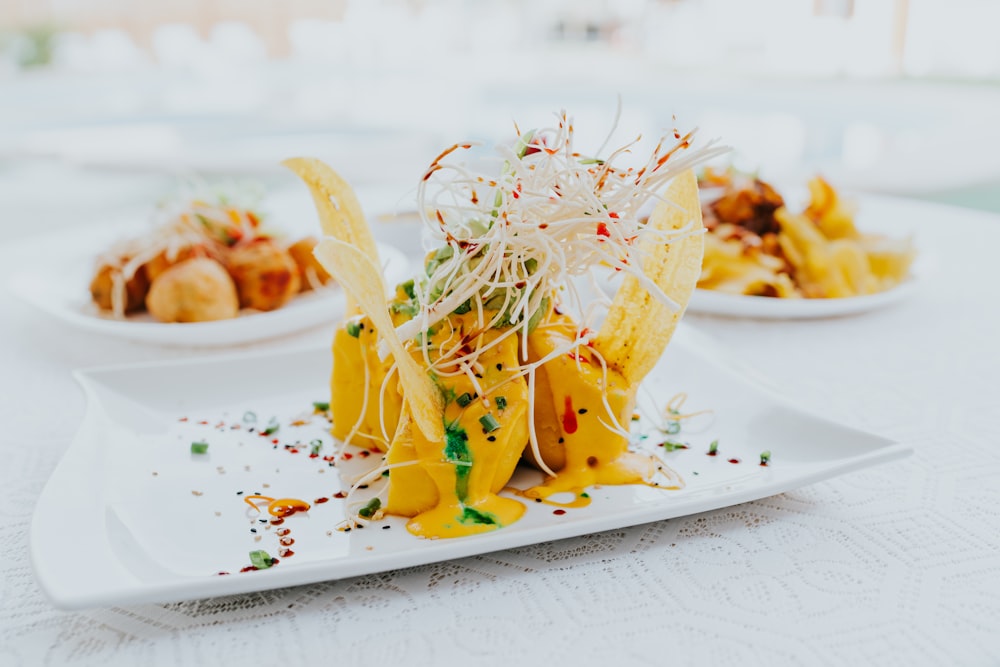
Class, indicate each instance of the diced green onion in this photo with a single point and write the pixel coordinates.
(315, 445)
(713, 447)
(353, 329)
(321, 406)
(465, 307)
(464, 399)
(407, 288)
(765, 457)
(199, 447)
(272, 427)
(368, 510)
(489, 422)
(501, 402)
(261, 559)
(673, 446)
(530, 265)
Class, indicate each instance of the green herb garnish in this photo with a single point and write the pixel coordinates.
(353, 329)
(464, 399)
(713, 448)
(320, 406)
(765, 457)
(501, 402)
(368, 510)
(315, 446)
(489, 422)
(200, 447)
(673, 446)
(261, 560)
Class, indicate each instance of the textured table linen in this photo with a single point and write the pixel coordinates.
(894, 565)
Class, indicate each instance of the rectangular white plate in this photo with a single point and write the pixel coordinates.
(130, 515)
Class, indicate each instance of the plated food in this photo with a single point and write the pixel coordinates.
(476, 363)
(207, 258)
(756, 246)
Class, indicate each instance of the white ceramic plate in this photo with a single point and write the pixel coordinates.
(733, 305)
(130, 515)
(56, 283)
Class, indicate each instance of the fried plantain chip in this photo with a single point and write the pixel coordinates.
(638, 325)
(339, 211)
(362, 279)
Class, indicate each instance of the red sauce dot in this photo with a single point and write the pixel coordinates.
(277, 521)
(347, 456)
(340, 494)
(221, 574)
(558, 512)
(286, 541)
(734, 460)
(320, 501)
(248, 568)
(275, 441)
(285, 553)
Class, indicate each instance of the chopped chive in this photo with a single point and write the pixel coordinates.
(501, 402)
(200, 447)
(673, 446)
(368, 510)
(353, 329)
(464, 399)
(765, 457)
(316, 445)
(489, 422)
(713, 448)
(272, 427)
(321, 406)
(260, 560)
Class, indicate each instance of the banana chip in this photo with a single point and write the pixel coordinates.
(339, 211)
(639, 326)
(362, 279)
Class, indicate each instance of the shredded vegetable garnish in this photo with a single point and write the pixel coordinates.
(511, 242)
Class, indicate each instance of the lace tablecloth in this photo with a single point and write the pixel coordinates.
(894, 565)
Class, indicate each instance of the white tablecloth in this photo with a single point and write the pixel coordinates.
(898, 564)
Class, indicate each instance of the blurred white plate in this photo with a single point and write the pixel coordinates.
(131, 516)
(56, 282)
(734, 305)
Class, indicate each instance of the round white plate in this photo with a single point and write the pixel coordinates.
(56, 283)
(734, 305)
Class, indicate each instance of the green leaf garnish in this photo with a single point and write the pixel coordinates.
(501, 402)
(765, 457)
(353, 329)
(200, 447)
(321, 406)
(261, 560)
(368, 510)
(713, 447)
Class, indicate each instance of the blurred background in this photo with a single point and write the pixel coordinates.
(104, 103)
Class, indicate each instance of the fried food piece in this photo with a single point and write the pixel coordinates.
(265, 274)
(195, 290)
(156, 266)
(751, 207)
(313, 273)
(102, 289)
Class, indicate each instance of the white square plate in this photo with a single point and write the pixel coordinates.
(130, 515)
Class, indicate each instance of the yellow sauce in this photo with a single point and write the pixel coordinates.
(451, 489)
(572, 423)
